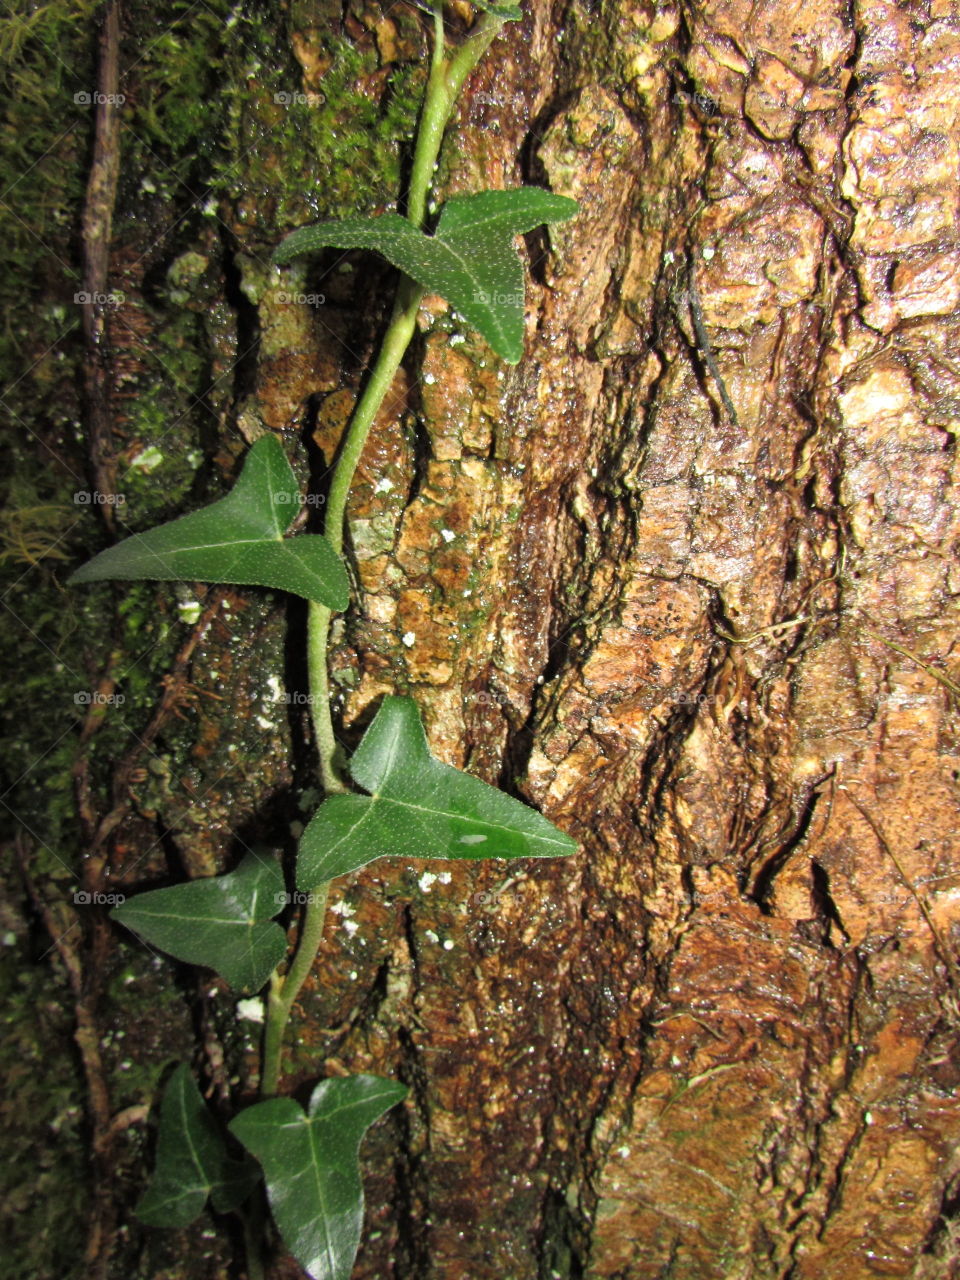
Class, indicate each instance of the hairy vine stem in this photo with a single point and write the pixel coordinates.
(444, 85)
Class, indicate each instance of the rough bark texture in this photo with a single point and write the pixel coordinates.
(683, 578)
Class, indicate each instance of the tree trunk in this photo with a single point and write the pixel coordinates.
(681, 578)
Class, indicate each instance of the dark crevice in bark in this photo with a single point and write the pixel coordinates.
(823, 900)
(412, 1180)
(422, 455)
(758, 880)
(561, 1238)
(246, 367)
(414, 1176)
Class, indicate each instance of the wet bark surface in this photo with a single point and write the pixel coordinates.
(684, 579)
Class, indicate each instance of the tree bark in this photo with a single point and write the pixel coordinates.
(722, 1042)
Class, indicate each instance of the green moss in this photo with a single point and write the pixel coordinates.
(296, 154)
(44, 647)
(167, 419)
(203, 134)
(44, 1178)
(46, 58)
(179, 70)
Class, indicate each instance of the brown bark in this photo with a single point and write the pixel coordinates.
(722, 1041)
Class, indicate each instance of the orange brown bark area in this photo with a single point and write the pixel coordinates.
(721, 1042)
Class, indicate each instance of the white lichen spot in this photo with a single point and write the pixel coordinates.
(468, 593)
(351, 927)
(343, 909)
(447, 535)
(250, 1010)
(456, 339)
(408, 638)
(448, 945)
(426, 880)
(623, 1152)
(383, 485)
(430, 935)
(444, 877)
(265, 724)
(708, 252)
(429, 379)
(273, 684)
(189, 611)
(148, 459)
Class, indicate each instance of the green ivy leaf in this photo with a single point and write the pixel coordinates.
(192, 1161)
(470, 260)
(312, 1167)
(236, 540)
(222, 922)
(418, 808)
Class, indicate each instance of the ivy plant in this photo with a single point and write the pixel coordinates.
(393, 798)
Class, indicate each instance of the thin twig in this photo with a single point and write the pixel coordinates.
(906, 653)
(86, 1034)
(946, 955)
(97, 228)
(703, 341)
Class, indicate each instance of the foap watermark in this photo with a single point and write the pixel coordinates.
(692, 699)
(98, 99)
(299, 899)
(298, 699)
(86, 898)
(487, 699)
(94, 498)
(497, 299)
(93, 698)
(87, 299)
(294, 98)
(493, 897)
(702, 101)
(284, 298)
(283, 498)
